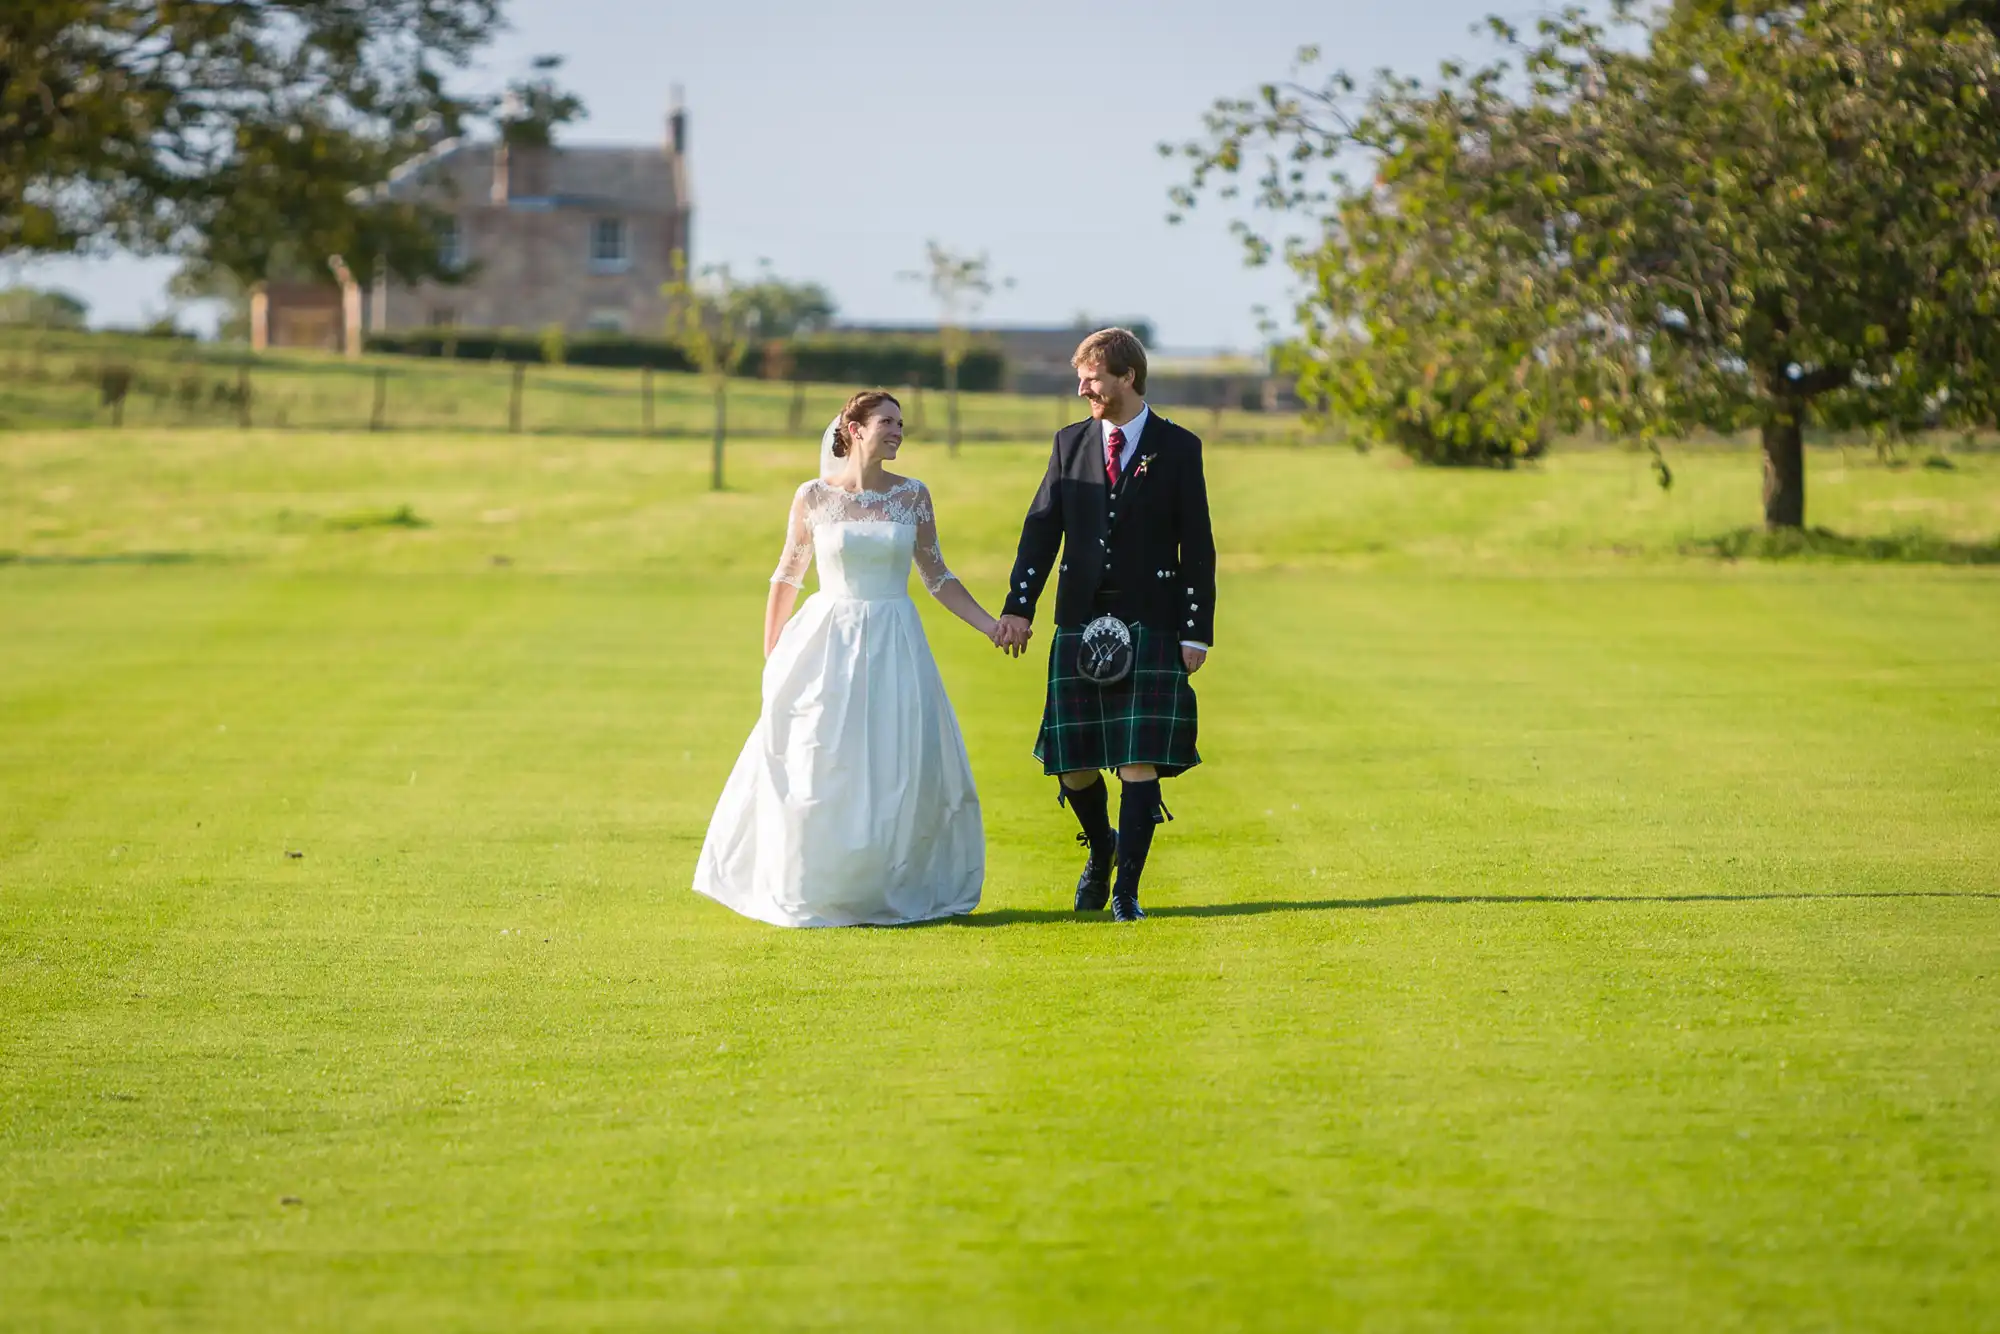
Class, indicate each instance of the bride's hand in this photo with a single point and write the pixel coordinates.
(1013, 635)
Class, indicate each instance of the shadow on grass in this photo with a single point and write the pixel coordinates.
(1910, 546)
(400, 517)
(1023, 916)
(110, 558)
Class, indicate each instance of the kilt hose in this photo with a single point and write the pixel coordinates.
(1148, 718)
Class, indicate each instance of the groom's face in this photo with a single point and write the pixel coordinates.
(1106, 393)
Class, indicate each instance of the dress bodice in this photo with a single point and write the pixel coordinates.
(863, 541)
(867, 559)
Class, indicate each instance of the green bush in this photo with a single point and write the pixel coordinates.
(864, 359)
(507, 345)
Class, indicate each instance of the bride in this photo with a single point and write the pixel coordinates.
(852, 802)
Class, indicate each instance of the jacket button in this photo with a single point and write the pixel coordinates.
(1024, 583)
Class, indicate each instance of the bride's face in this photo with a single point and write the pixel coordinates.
(879, 437)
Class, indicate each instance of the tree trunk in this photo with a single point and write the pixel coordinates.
(951, 404)
(1785, 466)
(721, 432)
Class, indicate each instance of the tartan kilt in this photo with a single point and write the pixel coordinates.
(1148, 718)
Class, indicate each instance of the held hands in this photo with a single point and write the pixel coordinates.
(1011, 635)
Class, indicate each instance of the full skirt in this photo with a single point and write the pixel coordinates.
(852, 803)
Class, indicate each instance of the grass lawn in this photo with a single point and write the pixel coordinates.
(54, 379)
(1566, 931)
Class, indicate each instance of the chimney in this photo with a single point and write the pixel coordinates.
(520, 171)
(677, 124)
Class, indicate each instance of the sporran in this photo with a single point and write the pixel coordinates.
(1104, 658)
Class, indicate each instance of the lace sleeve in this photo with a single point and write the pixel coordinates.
(929, 555)
(797, 555)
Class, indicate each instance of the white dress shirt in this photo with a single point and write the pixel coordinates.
(1133, 430)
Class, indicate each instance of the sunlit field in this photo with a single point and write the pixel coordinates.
(1570, 928)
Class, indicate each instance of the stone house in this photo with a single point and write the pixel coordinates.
(581, 237)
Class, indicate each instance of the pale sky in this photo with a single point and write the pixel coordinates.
(834, 139)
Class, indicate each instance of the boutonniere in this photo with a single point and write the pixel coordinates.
(1144, 459)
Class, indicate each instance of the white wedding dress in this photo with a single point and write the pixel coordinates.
(852, 803)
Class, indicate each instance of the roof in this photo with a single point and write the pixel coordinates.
(650, 178)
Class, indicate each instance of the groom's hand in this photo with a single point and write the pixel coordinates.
(1192, 658)
(1015, 632)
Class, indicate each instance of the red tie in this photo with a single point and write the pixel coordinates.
(1114, 448)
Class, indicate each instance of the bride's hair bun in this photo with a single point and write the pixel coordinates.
(858, 410)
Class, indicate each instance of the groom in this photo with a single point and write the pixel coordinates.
(1125, 501)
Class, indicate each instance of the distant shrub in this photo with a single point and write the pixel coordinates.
(819, 358)
(400, 517)
(35, 308)
(1915, 546)
(836, 358)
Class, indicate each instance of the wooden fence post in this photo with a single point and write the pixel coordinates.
(514, 399)
(376, 418)
(721, 430)
(646, 399)
(243, 395)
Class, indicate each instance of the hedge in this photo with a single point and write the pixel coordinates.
(607, 349)
(818, 358)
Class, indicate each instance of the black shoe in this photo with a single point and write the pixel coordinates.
(1125, 908)
(1093, 887)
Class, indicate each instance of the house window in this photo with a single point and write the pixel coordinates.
(443, 317)
(609, 252)
(451, 245)
(605, 320)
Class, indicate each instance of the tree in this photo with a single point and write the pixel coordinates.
(786, 309)
(196, 282)
(1738, 219)
(39, 308)
(715, 322)
(960, 284)
(231, 131)
(533, 108)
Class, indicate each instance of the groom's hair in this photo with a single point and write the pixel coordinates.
(1117, 351)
